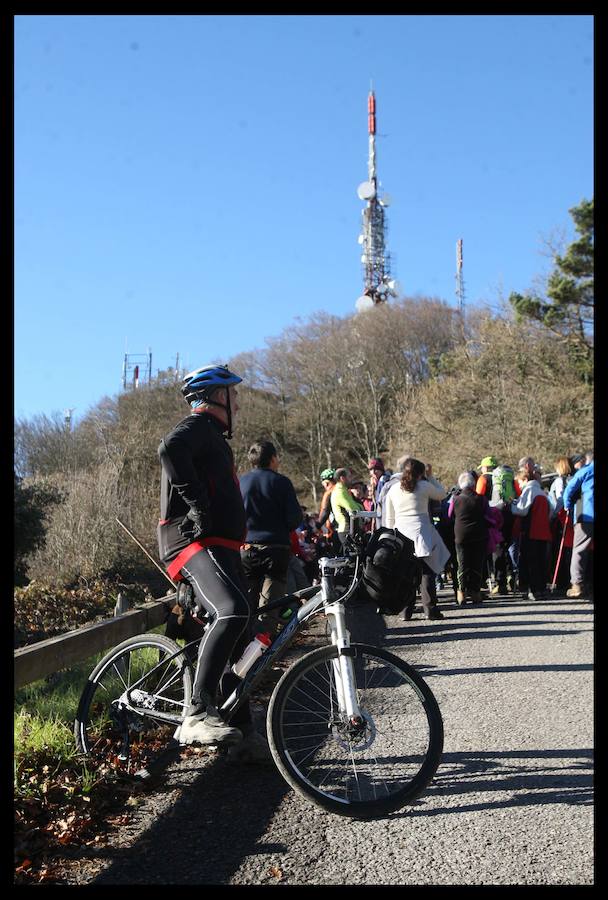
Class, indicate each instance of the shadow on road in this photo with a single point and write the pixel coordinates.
(204, 836)
(489, 670)
(529, 777)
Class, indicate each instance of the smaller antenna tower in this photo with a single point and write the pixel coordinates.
(133, 366)
(459, 277)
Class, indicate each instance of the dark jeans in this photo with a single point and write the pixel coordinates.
(533, 564)
(266, 572)
(500, 566)
(428, 590)
(471, 556)
(265, 569)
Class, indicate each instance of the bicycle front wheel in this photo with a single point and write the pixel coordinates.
(111, 724)
(363, 769)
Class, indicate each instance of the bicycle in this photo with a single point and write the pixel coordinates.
(351, 727)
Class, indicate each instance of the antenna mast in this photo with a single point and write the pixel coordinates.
(459, 277)
(378, 284)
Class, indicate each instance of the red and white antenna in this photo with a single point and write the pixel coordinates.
(378, 283)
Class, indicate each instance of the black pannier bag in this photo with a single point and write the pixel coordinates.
(391, 572)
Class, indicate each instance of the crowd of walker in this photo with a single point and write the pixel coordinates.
(243, 542)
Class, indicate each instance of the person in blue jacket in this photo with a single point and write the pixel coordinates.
(273, 512)
(580, 485)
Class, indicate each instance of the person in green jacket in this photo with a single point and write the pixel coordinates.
(343, 502)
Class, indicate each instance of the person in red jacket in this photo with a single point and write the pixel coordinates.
(532, 525)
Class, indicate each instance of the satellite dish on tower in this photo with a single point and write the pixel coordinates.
(394, 287)
(361, 238)
(366, 191)
(364, 303)
(385, 200)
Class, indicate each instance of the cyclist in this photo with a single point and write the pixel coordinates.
(200, 532)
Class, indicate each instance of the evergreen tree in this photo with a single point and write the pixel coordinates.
(33, 502)
(568, 307)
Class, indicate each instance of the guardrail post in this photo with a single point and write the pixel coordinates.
(122, 604)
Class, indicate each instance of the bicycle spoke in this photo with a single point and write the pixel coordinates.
(377, 760)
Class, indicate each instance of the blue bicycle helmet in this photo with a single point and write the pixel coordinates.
(197, 385)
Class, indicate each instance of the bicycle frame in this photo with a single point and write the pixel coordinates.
(325, 600)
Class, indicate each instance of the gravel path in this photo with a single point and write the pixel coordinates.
(511, 802)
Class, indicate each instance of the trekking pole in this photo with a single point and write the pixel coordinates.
(141, 547)
(559, 555)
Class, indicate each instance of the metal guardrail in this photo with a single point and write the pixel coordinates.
(65, 650)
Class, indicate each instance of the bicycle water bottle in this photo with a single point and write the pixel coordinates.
(252, 651)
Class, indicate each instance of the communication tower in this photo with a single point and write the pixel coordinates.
(137, 368)
(459, 277)
(378, 284)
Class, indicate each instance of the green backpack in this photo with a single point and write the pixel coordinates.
(503, 487)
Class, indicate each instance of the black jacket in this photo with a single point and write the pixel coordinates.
(469, 517)
(271, 507)
(198, 472)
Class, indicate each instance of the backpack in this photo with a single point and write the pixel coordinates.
(503, 487)
(390, 573)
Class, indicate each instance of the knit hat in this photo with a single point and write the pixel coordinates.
(375, 463)
(490, 461)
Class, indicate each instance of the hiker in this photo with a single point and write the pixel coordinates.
(378, 477)
(272, 511)
(381, 502)
(559, 521)
(325, 519)
(534, 531)
(467, 509)
(200, 533)
(581, 485)
(343, 502)
(407, 509)
(497, 485)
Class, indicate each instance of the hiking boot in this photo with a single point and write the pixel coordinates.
(575, 591)
(252, 749)
(409, 612)
(460, 599)
(208, 728)
(476, 597)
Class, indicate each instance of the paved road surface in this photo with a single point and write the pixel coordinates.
(511, 802)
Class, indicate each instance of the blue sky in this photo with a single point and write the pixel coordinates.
(187, 184)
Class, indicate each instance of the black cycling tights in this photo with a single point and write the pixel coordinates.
(216, 574)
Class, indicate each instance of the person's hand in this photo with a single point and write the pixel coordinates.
(195, 525)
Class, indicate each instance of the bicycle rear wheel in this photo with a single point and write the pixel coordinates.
(366, 770)
(107, 725)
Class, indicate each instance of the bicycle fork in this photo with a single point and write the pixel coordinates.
(343, 667)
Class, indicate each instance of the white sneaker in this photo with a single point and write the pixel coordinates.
(252, 749)
(208, 728)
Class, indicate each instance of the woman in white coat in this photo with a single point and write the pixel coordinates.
(407, 510)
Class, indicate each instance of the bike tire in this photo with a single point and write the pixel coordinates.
(99, 729)
(308, 748)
